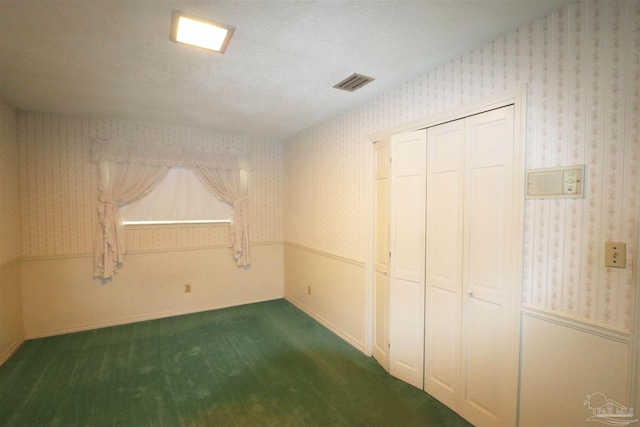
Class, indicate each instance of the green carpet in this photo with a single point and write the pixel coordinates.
(265, 364)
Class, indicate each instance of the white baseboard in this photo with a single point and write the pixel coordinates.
(324, 322)
(9, 351)
(135, 319)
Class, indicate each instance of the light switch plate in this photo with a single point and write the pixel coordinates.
(615, 254)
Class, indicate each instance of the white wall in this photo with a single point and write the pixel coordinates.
(60, 295)
(563, 362)
(11, 323)
(329, 289)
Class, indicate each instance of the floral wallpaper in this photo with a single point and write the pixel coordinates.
(10, 243)
(581, 66)
(58, 184)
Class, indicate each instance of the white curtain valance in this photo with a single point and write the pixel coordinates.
(154, 155)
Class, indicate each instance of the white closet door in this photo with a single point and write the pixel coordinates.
(471, 267)
(489, 388)
(445, 198)
(381, 255)
(407, 257)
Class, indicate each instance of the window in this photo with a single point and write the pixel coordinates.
(179, 199)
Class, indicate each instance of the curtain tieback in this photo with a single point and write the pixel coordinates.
(239, 201)
(106, 207)
(107, 199)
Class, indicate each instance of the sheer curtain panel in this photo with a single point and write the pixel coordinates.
(118, 184)
(229, 186)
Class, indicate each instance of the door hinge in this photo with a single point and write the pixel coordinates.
(389, 255)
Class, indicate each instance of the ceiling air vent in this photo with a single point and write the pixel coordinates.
(354, 82)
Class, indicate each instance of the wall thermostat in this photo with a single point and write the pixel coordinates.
(562, 182)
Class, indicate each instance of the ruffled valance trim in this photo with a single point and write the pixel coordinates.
(126, 152)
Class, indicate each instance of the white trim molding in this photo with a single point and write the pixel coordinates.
(11, 263)
(327, 324)
(326, 254)
(10, 350)
(516, 96)
(133, 252)
(142, 318)
(577, 323)
(634, 347)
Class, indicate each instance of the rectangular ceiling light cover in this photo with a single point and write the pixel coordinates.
(200, 32)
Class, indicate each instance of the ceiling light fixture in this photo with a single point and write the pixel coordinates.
(200, 32)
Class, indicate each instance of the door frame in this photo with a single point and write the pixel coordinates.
(517, 97)
(634, 336)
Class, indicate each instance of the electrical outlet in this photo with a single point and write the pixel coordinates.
(615, 254)
(308, 290)
(187, 288)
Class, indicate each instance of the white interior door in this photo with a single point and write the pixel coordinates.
(408, 154)
(381, 255)
(445, 199)
(489, 356)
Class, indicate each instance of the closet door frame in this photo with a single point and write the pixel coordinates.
(517, 98)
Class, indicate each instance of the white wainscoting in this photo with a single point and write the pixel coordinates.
(563, 361)
(60, 295)
(11, 327)
(337, 296)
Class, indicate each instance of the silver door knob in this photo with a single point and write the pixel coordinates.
(470, 293)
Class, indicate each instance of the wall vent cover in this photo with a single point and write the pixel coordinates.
(354, 82)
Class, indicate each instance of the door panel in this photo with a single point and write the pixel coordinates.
(490, 137)
(488, 223)
(445, 186)
(381, 254)
(489, 389)
(407, 257)
(382, 223)
(444, 342)
(407, 343)
(381, 330)
(409, 227)
(484, 357)
(444, 241)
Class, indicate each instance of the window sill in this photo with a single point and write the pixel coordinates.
(177, 225)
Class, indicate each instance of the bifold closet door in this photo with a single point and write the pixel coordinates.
(471, 285)
(408, 168)
(381, 253)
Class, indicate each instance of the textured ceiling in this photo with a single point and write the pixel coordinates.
(113, 58)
